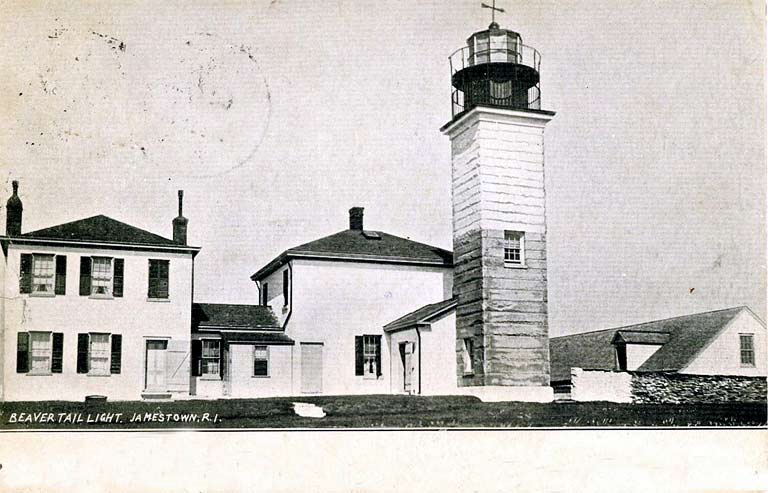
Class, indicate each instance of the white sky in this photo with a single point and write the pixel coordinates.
(276, 117)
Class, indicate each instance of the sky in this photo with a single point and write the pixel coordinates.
(276, 117)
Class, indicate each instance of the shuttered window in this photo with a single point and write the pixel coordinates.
(158, 279)
(39, 353)
(43, 274)
(368, 356)
(101, 277)
(265, 294)
(260, 361)
(99, 353)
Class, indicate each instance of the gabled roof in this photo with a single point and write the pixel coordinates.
(683, 338)
(225, 316)
(363, 246)
(421, 316)
(101, 229)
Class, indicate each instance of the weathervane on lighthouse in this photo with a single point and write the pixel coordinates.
(494, 9)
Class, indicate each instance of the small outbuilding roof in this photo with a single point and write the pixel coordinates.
(421, 316)
(681, 338)
(270, 338)
(363, 246)
(226, 316)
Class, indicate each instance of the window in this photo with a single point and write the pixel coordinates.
(514, 247)
(467, 355)
(260, 361)
(211, 357)
(99, 353)
(158, 279)
(40, 352)
(98, 279)
(42, 274)
(368, 356)
(286, 282)
(101, 276)
(747, 346)
(265, 294)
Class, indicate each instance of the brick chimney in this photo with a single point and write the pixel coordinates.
(14, 209)
(356, 218)
(180, 224)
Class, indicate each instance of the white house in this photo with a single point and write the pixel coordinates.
(334, 295)
(94, 307)
(729, 343)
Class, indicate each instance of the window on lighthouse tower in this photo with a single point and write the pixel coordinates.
(514, 247)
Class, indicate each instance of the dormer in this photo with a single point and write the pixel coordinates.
(633, 348)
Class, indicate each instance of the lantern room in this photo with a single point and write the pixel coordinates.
(495, 69)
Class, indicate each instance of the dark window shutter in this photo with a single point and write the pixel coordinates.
(117, 354)
(85, 276)
(61, 274)
(57, 355)
(223, 355)
(197, 358)
(285, 287)
(378, 356)
(359, 361)
(265, 294)
(25, 273)
(22, 352)
(82, 353)
(117, 283)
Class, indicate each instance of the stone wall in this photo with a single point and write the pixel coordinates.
(664, 388)
(676, 388)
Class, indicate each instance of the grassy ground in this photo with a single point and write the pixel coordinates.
(372, 412)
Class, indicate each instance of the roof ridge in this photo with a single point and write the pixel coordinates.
(624, 327)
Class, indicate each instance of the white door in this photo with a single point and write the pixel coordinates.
(156, 366)
(311, 368)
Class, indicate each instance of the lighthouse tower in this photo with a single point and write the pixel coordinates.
(499, 221)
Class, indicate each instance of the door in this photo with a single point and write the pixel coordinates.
(311, 368)
(406, 357)
(155, 370)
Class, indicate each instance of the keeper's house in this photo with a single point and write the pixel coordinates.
(94, 306)
(333, 296)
